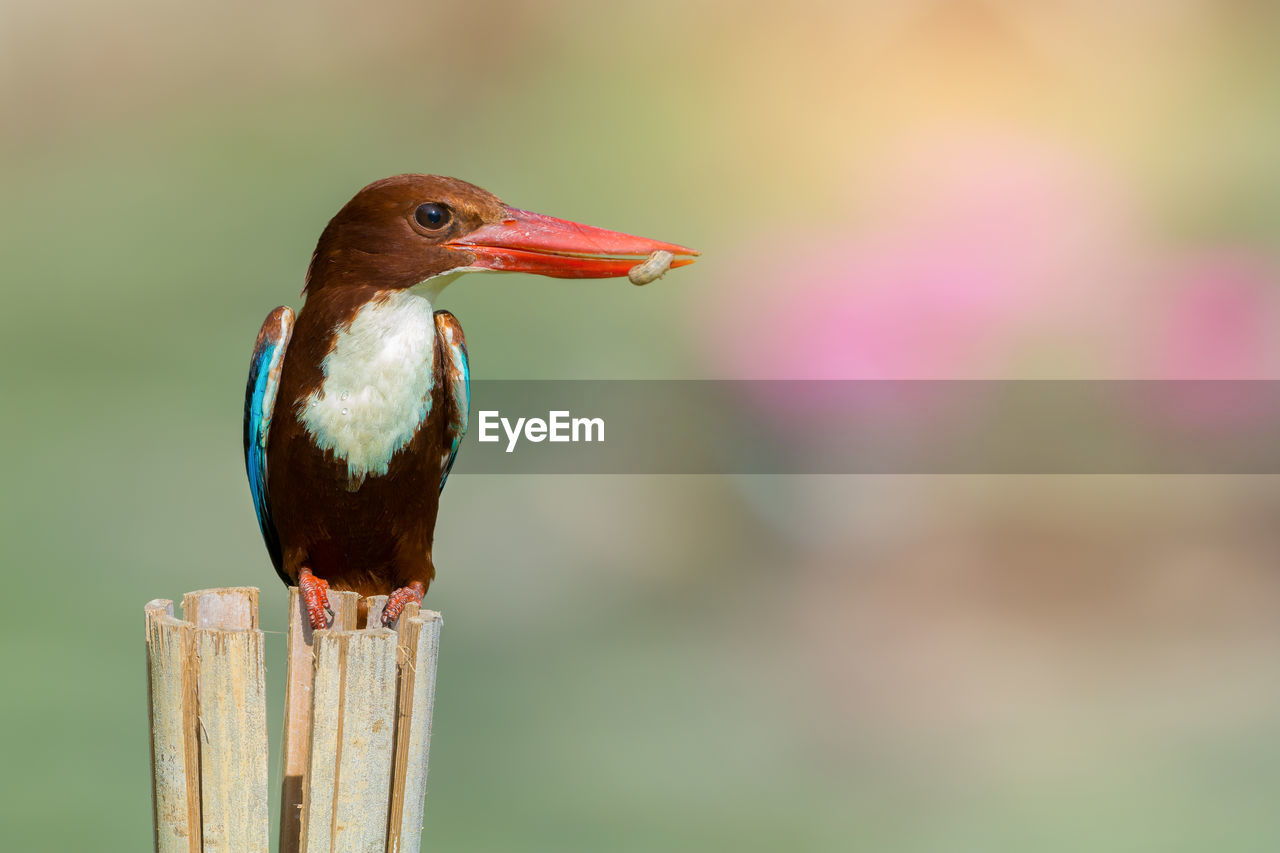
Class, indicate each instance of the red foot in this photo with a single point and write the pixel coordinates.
(315, 597)
(398, 599)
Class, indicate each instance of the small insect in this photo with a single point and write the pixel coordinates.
(651, 268)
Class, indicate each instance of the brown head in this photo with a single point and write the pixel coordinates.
(407, 229)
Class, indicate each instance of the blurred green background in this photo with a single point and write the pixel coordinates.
(926, 188)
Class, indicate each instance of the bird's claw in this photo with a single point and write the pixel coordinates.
(398, 599)
(315, 597)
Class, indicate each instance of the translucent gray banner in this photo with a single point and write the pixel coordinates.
(873, 427)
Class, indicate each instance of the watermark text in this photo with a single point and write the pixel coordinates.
(559, 426)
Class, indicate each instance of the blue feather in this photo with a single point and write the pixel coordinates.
(458, 372)
(259, 402)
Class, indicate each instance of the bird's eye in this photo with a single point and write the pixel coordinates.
(433, 216)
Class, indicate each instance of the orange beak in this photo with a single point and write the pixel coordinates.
(530, 242)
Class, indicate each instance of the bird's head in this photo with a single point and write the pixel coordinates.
(409, 229)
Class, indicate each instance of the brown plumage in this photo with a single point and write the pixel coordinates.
(374, 241)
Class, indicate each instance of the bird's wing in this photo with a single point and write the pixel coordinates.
(259, 402)
(457, 388)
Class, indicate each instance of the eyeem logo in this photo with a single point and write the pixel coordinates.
(558, 426)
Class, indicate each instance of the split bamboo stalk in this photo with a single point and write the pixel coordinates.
(209, 735)
(418, 654)
(299, 684)
(358, 708)
(376, 604)
(349, 758)
(348, 778)
(175, 744)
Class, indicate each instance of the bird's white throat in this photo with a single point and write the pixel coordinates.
(377, 383)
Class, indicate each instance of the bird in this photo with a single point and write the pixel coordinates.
(356, 404)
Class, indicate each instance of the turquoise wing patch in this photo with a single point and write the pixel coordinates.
(457, 377)
(259, 403)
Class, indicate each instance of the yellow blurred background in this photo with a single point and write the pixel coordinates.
(910, 189)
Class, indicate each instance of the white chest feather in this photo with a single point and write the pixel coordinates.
(377, 384)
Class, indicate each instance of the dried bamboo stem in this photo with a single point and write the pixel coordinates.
(352, 723)
(209, 734)
(175, 757)
(300, 678)
(357, 728)
(418, 654)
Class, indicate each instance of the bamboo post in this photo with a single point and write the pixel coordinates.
(175, 743)
(208, 711)
(418, 654)
(344, 801)
(358, 706)
(299, 681)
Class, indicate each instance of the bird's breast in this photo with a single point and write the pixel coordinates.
(376, 388)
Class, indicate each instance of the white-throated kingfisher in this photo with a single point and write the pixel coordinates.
(354, 409)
